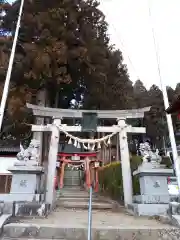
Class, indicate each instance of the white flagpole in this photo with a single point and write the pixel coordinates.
(9, 71)
(166, 105)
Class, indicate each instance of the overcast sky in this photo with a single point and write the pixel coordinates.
(130, 29)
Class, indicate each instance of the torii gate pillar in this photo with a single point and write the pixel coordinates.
(125, 163)
(52, 158)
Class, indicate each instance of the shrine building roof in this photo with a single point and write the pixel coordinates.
(10, 149)
(9, 146)
(68, 148)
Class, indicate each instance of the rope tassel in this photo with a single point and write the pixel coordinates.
(78, 145)
(99, 145)
(93, 147)
(109, 141)
(70, 141)
(75, 143)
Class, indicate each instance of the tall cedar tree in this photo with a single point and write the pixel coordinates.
(64, 45)
(155, 119)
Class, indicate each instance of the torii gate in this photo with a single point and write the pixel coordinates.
(58, 114)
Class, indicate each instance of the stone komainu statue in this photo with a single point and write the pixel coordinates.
(148, 155)
(31, 153)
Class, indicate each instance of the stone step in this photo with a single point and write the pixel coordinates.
(74, 194)
(26, 231)
(71, 178)
(77, 194)
(72, 189)
(27, 238)
(77, 199)
(85, 205)
(75, 191)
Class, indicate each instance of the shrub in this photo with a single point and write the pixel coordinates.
(167, 162)
(110, 179)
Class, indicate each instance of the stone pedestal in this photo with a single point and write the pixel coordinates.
(26, 184)
(26, 197)
(154, 198)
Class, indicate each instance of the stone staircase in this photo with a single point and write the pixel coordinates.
(76, 198)
(69, 221)
(72, 178)
(69, 224)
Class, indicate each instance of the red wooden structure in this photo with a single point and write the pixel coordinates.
(88, 159)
